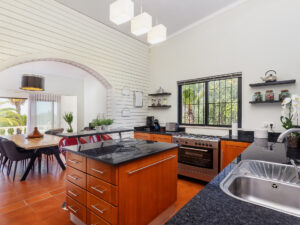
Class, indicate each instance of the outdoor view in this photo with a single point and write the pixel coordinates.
(222, 102)
(13, 116)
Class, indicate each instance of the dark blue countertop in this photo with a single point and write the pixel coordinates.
(117, 152)
(212, 206)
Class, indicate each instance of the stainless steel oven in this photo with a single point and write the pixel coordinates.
(198, 156)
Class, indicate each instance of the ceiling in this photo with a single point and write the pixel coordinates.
(176, 15)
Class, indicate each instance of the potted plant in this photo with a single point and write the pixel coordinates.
(289, 118)
(68, 117)
(97, 123)
(106, 123)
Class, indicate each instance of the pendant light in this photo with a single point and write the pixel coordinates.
(32, 82)
(157, 34)
(142, 23)
(121, 11)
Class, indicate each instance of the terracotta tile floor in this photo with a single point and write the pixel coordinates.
(38, 200)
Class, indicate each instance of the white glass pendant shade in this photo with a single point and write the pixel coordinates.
(121, 11)
(141, 24)
(157, 34)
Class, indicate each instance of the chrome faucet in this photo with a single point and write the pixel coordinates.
(296, 169)
(284, 134)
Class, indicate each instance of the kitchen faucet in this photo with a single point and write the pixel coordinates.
(284, 134)
(296, 170)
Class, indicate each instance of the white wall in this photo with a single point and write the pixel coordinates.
(251, 38)
(69, 104)
(46, 29)
(94, 99)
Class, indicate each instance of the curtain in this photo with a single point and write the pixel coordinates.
(43, 111)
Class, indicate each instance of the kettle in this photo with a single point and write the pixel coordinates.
(270, 76)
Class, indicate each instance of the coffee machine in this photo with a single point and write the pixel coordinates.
(150, 122)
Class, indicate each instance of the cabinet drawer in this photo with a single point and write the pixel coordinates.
(93, 219)
(103, 190)
(102, 208)
(76, 161)
(77, 209)
(143, 136)
(76, 177)
(162, 138)
(76, 193)
(103, 171)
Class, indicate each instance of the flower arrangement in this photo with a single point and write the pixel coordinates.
(290, 118)
(290, 112)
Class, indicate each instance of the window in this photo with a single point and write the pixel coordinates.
(214, 101)
(44, 111)
(13, 115)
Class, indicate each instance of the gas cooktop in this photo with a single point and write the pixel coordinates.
(198, 137)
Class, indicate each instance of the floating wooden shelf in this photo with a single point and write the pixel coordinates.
(162, 106)
(160, 94)
(282, 82)
(276, 101)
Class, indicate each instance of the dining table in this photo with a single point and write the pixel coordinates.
(49, 142)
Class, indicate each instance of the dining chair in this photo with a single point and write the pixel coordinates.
(68, 142)
(3, 157)
(14, 155)
(97, 138)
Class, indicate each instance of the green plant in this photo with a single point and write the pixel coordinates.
(10, 131)
(107, 122)
(97, 122)
(68, 117)
(2, 131)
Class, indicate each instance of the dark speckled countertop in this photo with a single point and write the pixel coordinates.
(212, 206)
(117, 152)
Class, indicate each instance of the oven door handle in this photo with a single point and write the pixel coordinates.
(195, 149)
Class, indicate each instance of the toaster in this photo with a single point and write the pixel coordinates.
(172, 126)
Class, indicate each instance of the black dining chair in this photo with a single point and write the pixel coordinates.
(14, 154)
(3, 157)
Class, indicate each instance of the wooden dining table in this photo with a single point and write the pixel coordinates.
(49, 142)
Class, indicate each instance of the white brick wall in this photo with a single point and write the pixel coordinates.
(45, 29)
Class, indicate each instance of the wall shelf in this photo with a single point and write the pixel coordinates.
(160, 94)
(282, 82)
(276, 101)
(162, 106)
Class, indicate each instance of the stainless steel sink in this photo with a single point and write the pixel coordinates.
(270, 185)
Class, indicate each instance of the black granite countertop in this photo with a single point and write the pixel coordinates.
(117, 152)
(162, 131)
(247, 136)
(212, 206)
(86, 133)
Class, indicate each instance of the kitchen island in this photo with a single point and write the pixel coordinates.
(212, 206)
(121, 182)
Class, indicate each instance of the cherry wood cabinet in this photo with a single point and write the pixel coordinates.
(230, 150)
(153, 137)
(134, 193)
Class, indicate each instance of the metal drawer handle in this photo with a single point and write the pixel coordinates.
(72, 177)
(73, 210)
(73, 161)
(72, 193)
(96, 189)
(153, 164)
(195, 149)
(98, 171)
(99, 210)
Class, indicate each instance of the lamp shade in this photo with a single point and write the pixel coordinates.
(32, 82)
(157, 34)
(121, 11)
(141, 24)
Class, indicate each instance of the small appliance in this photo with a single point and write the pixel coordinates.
(150, 121)
(172, 127)
(156, 125)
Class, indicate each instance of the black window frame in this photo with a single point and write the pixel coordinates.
(206, 80)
